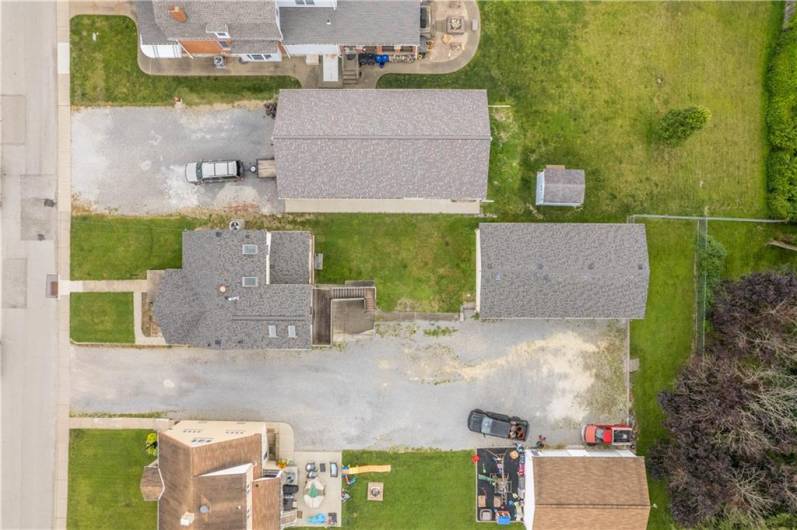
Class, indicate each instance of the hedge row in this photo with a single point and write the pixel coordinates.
(782, 127)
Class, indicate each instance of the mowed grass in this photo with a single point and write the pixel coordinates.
(586, 81)
(105, 71)
(420, 263)
(748, 251)
(121, 248)
(423, 490)
(663, 340)
(101, 317)
(105, 467)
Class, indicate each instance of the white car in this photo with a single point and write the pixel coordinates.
(213, 171)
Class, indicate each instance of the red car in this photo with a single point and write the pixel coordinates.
(618, 435)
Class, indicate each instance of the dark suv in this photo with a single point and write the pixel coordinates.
(498, 425)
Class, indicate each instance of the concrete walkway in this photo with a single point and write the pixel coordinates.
(155, 424)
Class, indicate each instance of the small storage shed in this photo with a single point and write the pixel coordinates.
(559, 186)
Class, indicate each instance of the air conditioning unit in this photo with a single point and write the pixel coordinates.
(236, 224)
(218, 61)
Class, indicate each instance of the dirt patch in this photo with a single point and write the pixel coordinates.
(606, 397)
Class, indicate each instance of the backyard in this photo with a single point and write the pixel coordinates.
(104, 470)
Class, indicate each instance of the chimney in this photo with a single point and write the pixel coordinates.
(178, 14)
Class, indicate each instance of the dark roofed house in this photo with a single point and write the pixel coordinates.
(225, 297)
(401, 151)
(561, 270)
(559, 186)
(269, 30)
(253, 289)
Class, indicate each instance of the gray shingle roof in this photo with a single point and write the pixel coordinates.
(378, 144)
(190, 308)
(563, 186)
(354, 22)
(245, 19)
(563, 270)
(149, 31)
(290, 257)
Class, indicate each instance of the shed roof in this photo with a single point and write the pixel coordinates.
(382, 144)
(354, 22)
(562, 270)
(243, 19)
(563, 186)
(191, 309)
(590, 492)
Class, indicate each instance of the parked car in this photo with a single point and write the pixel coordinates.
(498, 425)
(618, 435)
(426, 20)
(213, 171)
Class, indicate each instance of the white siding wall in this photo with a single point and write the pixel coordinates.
(311, 49)
(162, 51)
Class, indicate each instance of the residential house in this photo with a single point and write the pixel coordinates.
(582, 490)
(393, 151)
(253, 289)
(559, 186)
(270, 31)
(561, 270)
(221, 474)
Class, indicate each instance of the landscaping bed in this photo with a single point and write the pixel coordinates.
(101, 317)
(105, 467)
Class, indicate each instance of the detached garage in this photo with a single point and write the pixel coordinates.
(561, 270)
(391, 151)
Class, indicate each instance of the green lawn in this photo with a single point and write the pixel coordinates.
(424, 490)
(101, 317)
(747, 247)
(586, 82)
(104, 470)
(105, 72)
(663, 340)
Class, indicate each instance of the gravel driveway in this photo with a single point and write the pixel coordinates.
(399, 388)
(131, 160)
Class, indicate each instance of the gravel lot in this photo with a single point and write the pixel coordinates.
(401, 387)
(131, 160)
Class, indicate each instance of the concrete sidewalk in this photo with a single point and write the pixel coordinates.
(156, 424)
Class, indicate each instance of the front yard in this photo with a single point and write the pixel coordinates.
(101, 317)
(104, 471)
(105, 72)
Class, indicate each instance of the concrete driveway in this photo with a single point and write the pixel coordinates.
(399, 388)
(131, 160)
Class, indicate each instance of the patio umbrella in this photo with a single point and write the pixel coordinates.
(314, 493)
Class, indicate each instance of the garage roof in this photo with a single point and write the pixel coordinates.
(354, 22)
(562, 270)
(382, 144)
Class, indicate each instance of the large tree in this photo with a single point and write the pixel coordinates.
(732, 414)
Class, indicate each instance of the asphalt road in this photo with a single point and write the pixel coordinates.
(131, 161)
(403, 388)
(29, 320)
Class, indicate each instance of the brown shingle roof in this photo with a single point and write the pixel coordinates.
(265, 500)
(185, 489)
(590, 492)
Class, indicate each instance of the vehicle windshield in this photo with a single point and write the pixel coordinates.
(599, 433)
(487, 424)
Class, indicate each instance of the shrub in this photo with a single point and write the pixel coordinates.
(782, 184)
(679, 124)
(711, 264)
(732, 414)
